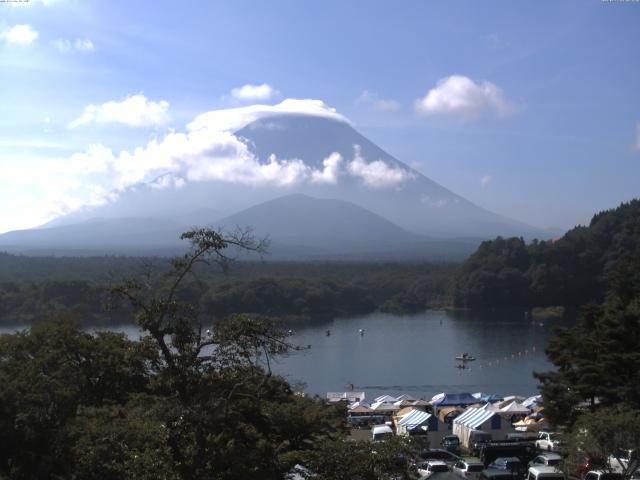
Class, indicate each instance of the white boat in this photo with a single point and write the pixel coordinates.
(465, 357)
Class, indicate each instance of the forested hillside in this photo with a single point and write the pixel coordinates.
(33, 288)
(569, 271)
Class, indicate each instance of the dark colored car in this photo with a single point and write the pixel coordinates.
(451, 443)
(509, 464)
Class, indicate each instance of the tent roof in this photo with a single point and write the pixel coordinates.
(379, 406)
(385, 398)
(405, 411)
(414, 419)
(515, 407)
(531, 401)
(456, 399)
(406, 397)
(444, 411)
(473, 417)
(360, 409)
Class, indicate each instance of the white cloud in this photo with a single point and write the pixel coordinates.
(377, 103)
(233, 119)
(377, 174)
(486, 180)
(84, 45)
(329, 174)
(437, 202)
(459, 96)
(637, 145)
(20, 35)
(254, 92)
(135, 110)
(210, 152)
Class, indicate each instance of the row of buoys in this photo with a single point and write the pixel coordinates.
(497, 362)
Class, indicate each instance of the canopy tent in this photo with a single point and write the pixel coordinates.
(473, 417)
(360, 409)
(414, 419)
(447, 414)
(533, 401)
(490, 398)
(515, 408)
(385, 398)
(451, 399)
(406, 397)
(436, 397)
(486, 420)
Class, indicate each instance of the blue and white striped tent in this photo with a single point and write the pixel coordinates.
(473, 417)
(414, 419)
(480, 419)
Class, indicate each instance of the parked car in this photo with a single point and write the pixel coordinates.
(510, 464)
(426, 469)
(620, 461)
(602, 475)
(546, 460)
(548, 441)
(381, 432)
(544, 473)
(439, 454)
(451, 443)
(493, 474)
(469, 469)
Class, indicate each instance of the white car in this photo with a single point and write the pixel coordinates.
(426, 469)
(547, 441)
(545, 473)
(600, 475)
(620, 461)
(470, 469)
(546, 460)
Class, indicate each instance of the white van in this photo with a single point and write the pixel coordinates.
(381, 432)
(545, 473)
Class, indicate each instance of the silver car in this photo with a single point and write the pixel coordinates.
(469, 469)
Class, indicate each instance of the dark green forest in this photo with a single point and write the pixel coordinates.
(32, 288)
(569, 271)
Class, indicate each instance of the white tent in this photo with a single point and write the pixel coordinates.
(515, 408)
(385, 398)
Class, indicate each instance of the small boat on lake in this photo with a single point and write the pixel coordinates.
(465, 357)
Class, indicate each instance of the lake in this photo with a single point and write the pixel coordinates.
(415, 354)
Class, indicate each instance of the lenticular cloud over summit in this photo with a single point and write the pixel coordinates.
(233, 119)
(210, 150)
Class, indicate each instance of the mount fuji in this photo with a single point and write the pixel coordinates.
(349, 195)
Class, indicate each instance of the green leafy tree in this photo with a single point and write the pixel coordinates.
(597, 360)
(608, 433)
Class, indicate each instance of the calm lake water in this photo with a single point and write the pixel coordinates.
(415, 354)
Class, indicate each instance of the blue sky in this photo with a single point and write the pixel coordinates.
(547, 131)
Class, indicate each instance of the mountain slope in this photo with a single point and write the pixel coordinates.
(361, 173)
(321, 225)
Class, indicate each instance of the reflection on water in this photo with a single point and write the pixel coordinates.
(415, 354)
